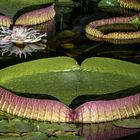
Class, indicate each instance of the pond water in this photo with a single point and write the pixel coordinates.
(66, 37)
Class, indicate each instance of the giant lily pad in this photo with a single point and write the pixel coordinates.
(10, 7)
(64, 79)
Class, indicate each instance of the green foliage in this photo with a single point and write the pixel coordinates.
(108, 3)
(11, 7)
(64, 79)
(128, 123)
(9, 138)
(26, 136)
(15, 125)
(25, 129)
(67, 138)
(64, 3)
(20, 125)
(35, 136)
(135, 22)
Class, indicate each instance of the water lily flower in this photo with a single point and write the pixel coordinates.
(23, 34)
(19, 40)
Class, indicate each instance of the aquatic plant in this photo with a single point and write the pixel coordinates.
(103, 111)
(19, 41)
(5, 21)
(65, 80)
(35, 17)
(129, 24)
(21, 51)
(93, 30)
(128, 4)
(55, 111)
(30, 18)
(19, 128)
(5, 35)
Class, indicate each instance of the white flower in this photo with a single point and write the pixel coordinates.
(5, 30)
(22, 34)
(19, 41)
(5, 35)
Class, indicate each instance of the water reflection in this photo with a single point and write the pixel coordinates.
(22, 40)
(104, 131)
(19, 40)
(22, 50)
(21, 127)
(47, 27)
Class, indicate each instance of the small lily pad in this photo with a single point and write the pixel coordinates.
(135, 22)
(108, 3)
(9, 138)
(55, 128)
(128, 123)
(67, 138)
(15, 125)
(35, 136)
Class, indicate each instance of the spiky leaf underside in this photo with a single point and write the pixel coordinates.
(10, 7)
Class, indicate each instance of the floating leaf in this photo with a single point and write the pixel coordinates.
(135, 22)
(108, 3)
(66, 34)
(128, 123)
(54, 127)
(69, 3)
(10, 7)
(15, 125)
(10, 138)
(67, 138)
(35, 136)
(64, 79)
(19, 125)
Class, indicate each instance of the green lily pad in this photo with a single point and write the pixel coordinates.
(18, 125)
(15, 125)
(9, 138)
(65, 3)
(135, 22)
(11, 7)
(53, 128)
(64, 79)
(108, 3)
(67, 138)
(35, 136)
(128, 123)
